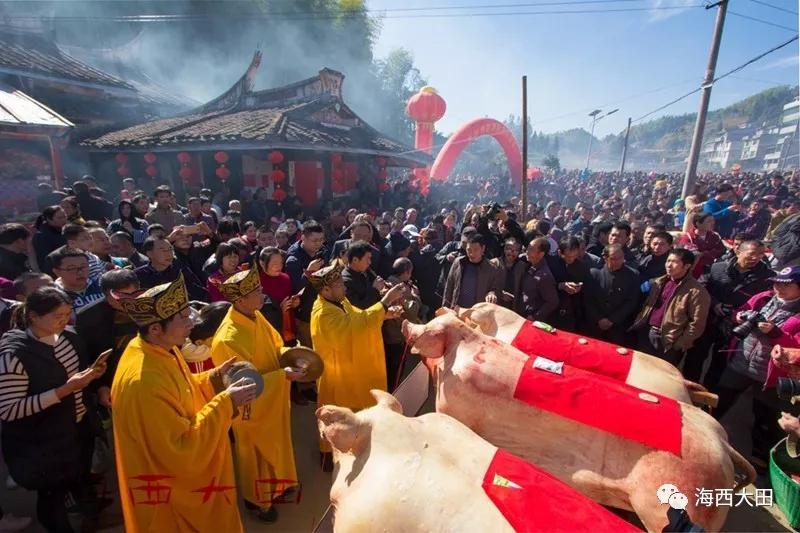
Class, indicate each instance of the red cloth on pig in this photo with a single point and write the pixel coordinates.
(595, 356)
(533, 500)
(605, 404)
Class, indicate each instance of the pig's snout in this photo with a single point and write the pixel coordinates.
(426, 340)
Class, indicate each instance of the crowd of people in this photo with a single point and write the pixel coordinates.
(187, 288)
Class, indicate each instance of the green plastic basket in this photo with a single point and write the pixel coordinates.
(786, 492)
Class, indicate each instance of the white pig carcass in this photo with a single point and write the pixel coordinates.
(613, 442)
(432, 474)
(633, 367)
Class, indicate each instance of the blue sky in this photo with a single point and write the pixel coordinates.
(579, 62)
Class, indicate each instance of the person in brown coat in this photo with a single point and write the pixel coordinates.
(472, 277)
(674, 314)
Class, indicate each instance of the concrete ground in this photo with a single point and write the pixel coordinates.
(304, 515)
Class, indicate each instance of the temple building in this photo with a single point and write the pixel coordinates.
(300, 138)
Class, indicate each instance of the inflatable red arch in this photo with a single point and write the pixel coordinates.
(468, 133)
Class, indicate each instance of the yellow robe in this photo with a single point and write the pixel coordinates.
(263, 443)
(171, 442)
(350, 343)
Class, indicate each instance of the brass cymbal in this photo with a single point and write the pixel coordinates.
(300, 357)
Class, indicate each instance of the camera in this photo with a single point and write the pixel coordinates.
(788, 388)
(751, 320)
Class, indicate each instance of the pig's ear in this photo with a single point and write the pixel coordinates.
(445, 310)
(387, 400)
(341, 428)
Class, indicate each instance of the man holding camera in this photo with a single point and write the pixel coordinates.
(767, 319)
(730, 284)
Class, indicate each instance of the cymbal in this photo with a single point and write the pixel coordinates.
(243, 369)
(303, 356)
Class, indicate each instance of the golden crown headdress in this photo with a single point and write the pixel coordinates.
(325, 276)
(158, 303)
(240, 284)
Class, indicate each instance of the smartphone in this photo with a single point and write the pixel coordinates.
(101, 358)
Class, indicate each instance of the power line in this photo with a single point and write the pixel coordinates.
(725, 75)
(773, 6)
(762, 21)
(346, 15)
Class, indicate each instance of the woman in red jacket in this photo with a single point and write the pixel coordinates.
(276, 284)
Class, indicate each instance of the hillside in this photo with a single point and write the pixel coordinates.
(662, 142)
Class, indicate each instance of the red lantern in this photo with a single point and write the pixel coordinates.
(150, 158)
(184, 157)
(121, 159)
(337, 186)
(337, 174)
(382, 173)
(185, 173)
(221, 158)
(381, 161)
(426, 106)
(277, 176)
(223, 173)
(151, 171)
(123, 171)
(279, 195)
(384, 187)
(336, 159)
(275, 157)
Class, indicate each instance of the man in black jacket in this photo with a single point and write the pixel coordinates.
(653, 265)
(571, 276)
(612, 297)
(426, 269)
(730, 284)
(449, 253)
(13, 250)
(361, 286)
(104, 325)
(303, 258)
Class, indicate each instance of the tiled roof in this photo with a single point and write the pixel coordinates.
(19, 109)
(306, 115)
(32, 54)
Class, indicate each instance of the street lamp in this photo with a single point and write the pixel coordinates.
(596, 116)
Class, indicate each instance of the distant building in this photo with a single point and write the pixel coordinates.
(756, 145)
(725, 147)
(784, 153)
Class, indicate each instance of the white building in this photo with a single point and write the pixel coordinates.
(784, 153)
(725, 147)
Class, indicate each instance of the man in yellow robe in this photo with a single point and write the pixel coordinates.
(171, 427)
(263, 435)
(350, 343)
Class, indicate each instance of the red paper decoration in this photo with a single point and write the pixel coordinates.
(221, 158)
(184, 157)
(382, 174)
(121, 159)
(279, 195)
(336, 159)
(185, 173)
(337, 174)
(275, 157)
(150, 158)
(223, 173)
(384, 187)
(277, 176)
(123, 171)
(151, 171)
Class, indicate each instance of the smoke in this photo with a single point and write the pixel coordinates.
(207, 46)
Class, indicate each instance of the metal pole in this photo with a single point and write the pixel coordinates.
(524, 183)
(705, 97)
(625, 148)
(591, 138)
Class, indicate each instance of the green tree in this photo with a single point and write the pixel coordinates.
(551, 162)
(398, 80)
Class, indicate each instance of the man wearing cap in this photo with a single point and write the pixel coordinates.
(173, 455)
(263, 436)
(350, 343)
(768, 319)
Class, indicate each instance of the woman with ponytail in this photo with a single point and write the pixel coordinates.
(47, 441)
(48, 233)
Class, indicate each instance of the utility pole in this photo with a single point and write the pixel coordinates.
(705, 97)
(625, 148)
(524, 185)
